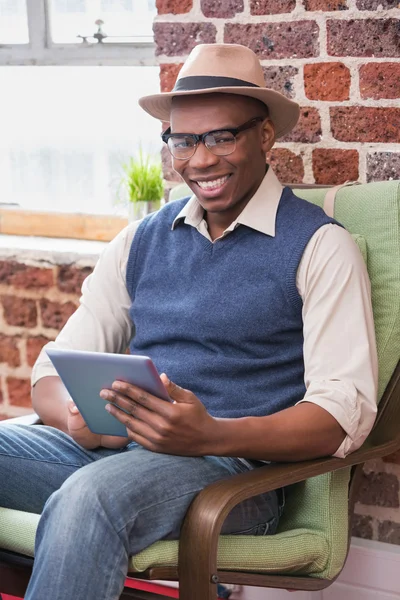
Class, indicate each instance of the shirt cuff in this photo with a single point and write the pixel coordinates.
(43, 366)
(340, 399)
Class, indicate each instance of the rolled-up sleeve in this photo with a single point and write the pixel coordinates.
(340, 360)
(101, 323)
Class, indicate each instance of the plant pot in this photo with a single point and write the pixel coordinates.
(138, 210)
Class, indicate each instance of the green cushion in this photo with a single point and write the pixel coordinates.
(18, 530)
(312, 535)
(372, 211)
(299, 551)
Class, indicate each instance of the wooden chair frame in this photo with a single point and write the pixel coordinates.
(197, 570)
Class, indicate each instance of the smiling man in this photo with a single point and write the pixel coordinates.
(253, 304)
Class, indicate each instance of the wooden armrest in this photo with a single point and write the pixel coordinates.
(31, 419)
(203, 522)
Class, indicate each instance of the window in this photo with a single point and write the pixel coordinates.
(122, 20)
(66, 132)
(13, 22)
(69, 122)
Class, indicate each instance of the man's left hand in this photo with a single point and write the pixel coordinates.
(182, 427)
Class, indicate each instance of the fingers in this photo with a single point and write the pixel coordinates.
(139, 431)
(73, 409)
(175, 392)
(136, 396)
(131, 408)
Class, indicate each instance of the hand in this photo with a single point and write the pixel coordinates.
(82, 435)
(182, 427)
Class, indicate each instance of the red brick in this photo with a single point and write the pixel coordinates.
(308, 129)
(20, 312)
(327, 81)
(70, 278)
(221, 10)
(280, 79)
(379, 489)
(19, 391)
(3, 417)
(24, 276)
(9, 352)
(325, 5)
(271, 7)
(34, 346)
(362, 527)
(287, 165)
(297, 39)
(168, 76)
(389, 532)
(376, 4)
(364, 37)
(365, 124)
(8, 270)
(175, 39)
(332, 166)
(380, 80)
(55, 314)
(174, 7)
(383, 166)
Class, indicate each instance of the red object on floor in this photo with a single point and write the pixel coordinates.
(156, 588)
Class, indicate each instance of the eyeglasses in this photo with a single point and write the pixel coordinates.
(219, 141)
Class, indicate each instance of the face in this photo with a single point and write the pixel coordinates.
(223, 184)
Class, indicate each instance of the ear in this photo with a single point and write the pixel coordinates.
(267, 135)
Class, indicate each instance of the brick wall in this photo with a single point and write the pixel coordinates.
(36, 298)
(340, 59)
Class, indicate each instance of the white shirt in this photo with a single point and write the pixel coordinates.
(340, 360)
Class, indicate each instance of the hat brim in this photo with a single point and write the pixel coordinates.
(284, 113)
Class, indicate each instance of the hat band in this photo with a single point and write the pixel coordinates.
(202, 82)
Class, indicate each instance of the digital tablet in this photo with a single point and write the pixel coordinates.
(84, 374)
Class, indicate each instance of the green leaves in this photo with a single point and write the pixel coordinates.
(143, 178)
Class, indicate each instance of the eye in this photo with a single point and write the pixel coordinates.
(182, 142)
(220, 137)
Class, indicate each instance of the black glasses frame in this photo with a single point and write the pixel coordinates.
(197, 138)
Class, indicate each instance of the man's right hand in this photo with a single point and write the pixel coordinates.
(82, 435)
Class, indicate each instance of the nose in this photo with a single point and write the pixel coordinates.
(203, 158)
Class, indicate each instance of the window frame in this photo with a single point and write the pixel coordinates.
(42, 51)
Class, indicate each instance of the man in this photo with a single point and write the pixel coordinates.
(253, 304)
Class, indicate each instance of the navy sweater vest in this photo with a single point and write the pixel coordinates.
(224, 319)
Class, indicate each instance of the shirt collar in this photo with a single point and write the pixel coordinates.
(259, 213)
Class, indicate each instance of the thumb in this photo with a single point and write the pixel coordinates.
(175, 392)
(73, 409)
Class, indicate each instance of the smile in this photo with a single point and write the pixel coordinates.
(213, 184)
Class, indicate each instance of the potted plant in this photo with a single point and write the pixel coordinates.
(143, 185)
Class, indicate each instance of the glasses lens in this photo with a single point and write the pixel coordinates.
(181, 146)
(220, 142)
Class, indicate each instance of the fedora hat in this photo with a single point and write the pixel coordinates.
(227, 69)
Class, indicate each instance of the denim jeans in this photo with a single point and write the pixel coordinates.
(101, 506)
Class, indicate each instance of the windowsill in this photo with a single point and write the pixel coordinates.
(16, 221)
(50, 250)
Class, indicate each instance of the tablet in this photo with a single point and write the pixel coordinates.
(84, 374)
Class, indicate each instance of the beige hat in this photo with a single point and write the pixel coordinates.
(230, 69)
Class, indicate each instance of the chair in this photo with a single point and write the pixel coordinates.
(311, 545)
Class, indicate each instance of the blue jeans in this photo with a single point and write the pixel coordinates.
(101, 506)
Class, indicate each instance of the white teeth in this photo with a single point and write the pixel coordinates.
(216, 183)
